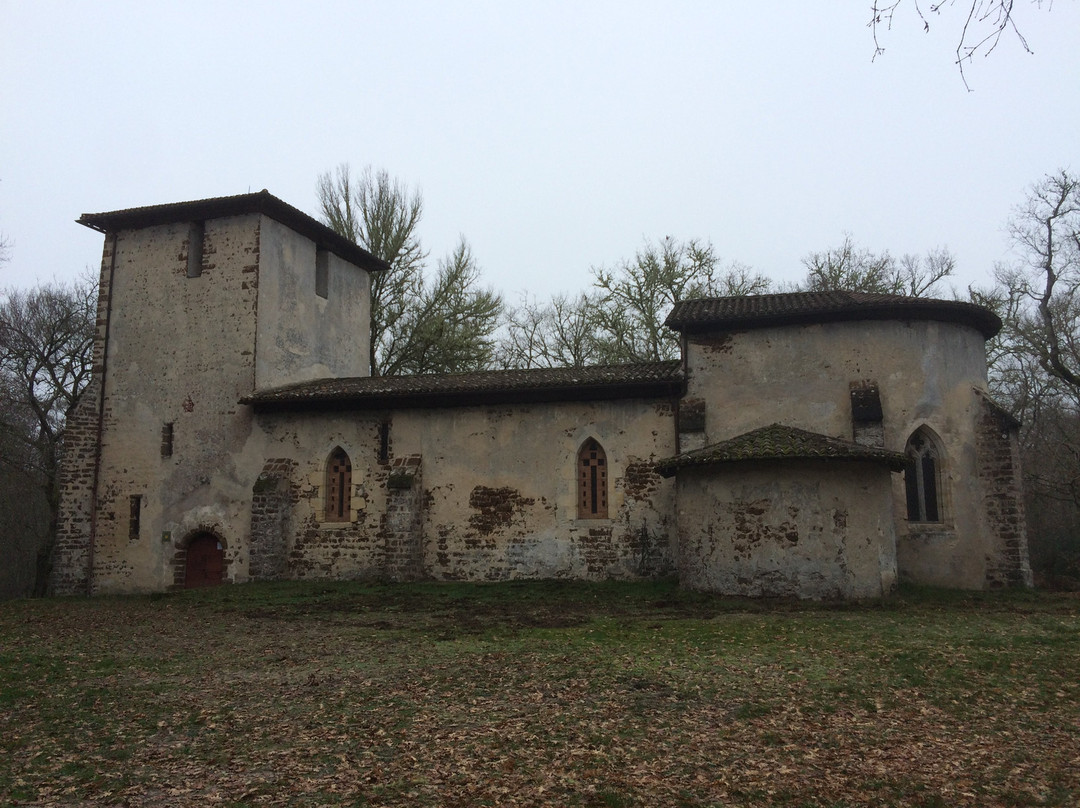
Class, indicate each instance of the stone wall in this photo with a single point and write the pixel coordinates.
(787, 529)
(301, 334)
(999, 470)
(402, 523)
(273, 500)
(72, 552)
(924, 373)
(180, 352)
(180, 303)
(491, 492)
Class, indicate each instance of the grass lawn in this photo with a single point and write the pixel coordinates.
(539, 693)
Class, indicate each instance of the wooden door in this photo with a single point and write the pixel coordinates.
(205, 562)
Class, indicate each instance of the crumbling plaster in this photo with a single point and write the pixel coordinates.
(498, 489)
(810, 529)
(928, 373)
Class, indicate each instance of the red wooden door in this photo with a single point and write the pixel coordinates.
(205, 562)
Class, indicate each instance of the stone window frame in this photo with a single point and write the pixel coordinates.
(924, 478)
(592, 478)
(337, 496)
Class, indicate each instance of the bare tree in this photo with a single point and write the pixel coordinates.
(46, 342)
(450, 326)
(636, 296)
(1047, 231)
(984, 23)
(621, 319)
(383, 215)
(561, 333)
(858, 269)
(1035, 364)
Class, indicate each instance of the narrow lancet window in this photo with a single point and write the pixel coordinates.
(921, 479)
(338, 486)
(592, 476)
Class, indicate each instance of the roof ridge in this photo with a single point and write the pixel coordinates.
(781, 442)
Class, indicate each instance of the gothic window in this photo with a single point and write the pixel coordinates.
(592, 481)
(338, 486)
(922, 479)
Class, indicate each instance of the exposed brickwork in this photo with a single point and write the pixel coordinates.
(712, 343)
(999, 470)
(70, 573)
(599, 550)
(402, 523)
(273, 498)
(495, 508)
(640, 480)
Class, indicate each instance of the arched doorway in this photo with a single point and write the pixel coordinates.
(205, 563)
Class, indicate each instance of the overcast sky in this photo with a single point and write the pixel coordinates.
(555, 136)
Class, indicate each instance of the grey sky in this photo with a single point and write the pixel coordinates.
(554, 136)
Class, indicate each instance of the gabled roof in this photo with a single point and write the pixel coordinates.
(653, 379)
(779, 442)
(800, 308)
(262, 202)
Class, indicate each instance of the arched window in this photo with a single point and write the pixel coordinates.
(338, 486)
(922, 478)
(592, 481)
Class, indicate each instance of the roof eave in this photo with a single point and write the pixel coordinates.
(261, 202)
(985, 321)
(465, 398)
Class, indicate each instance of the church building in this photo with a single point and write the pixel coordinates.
(817, 445)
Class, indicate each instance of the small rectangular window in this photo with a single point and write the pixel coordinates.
(135, 505)
(196, 232)
(322, 272)
(384, 442)
(166, 440)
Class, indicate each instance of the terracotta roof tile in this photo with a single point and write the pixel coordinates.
(779, 442)
(457, 389)
(760, 311)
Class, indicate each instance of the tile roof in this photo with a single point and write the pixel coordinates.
(262, 202)
(760, 311)
(779, 442)
(484, 387)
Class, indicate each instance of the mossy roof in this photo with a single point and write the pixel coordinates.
(779, 442)
(804, 308)
(596, 382)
